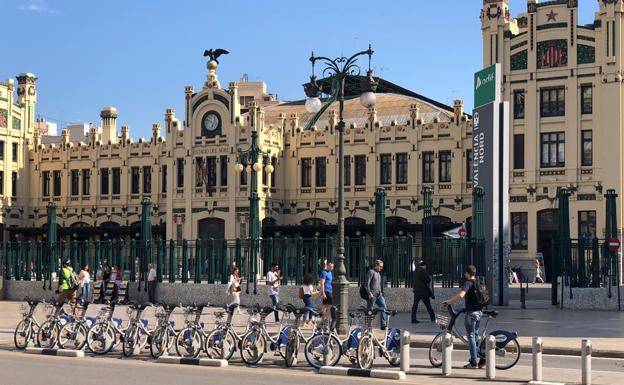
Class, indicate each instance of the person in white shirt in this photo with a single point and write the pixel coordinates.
(84, 279)
(152, 279)
(234, 288)
(273, 280)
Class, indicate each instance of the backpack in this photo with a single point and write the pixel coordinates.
(481, 293)
(73, 282)
(301, 293)
(363, 292)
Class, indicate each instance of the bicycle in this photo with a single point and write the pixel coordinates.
(136, 334)
(27, 329)
(389, 346)
(254, 341)
(506, 342)
(73, 333)
(190, 340)
(48, 333)
(223, 340)
(164, 334)
(293, 331)
(106, 332)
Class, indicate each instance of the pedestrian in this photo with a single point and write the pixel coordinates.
(86, 290)
(118, 274)
(327, 277)
(106, 272)
(307, 291)
(234, 288)
(421, 282)
(473, 314)
(152, 280)
(372, 284)
(67, 286)
(273, 280)
(538, 271)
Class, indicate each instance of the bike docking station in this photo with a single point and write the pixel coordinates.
(586, 356)
(192, 361)
(55, 352)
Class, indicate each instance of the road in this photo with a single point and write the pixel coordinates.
(20, 368)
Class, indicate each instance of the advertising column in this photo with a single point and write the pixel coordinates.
(490, 139)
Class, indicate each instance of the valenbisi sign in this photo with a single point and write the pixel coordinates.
(490, 170)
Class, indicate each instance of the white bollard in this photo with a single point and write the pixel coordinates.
(537, 359)
(447, 353)
(405, 351)
(490, 358)
(586, 355)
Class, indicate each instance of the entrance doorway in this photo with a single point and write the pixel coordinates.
(547, 232)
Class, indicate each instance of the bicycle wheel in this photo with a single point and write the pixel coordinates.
(220, 344)
(435, 350)
(320, 346)
(365, 352)
(73, 336)
(22, 334)
(101, 338)
(159, 342)
(292, 349)
(507, 351)
(130, 340)
(189, 342)
(48, 333)
(253, 345)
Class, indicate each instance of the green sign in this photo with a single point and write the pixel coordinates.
(486, 86)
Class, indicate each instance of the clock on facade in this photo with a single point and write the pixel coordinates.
(211, 124)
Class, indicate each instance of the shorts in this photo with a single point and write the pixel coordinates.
(329, 299)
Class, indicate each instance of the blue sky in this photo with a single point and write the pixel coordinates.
(138, 55)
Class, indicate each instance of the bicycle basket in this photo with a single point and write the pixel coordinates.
(442, 321)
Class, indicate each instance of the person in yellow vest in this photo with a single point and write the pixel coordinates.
(67, 288)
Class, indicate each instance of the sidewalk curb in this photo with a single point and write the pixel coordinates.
(192, 361)
(544, 383)
(354, 372)
(529, 350)
(55, 352)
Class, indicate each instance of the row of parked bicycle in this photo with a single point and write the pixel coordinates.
(101, 334)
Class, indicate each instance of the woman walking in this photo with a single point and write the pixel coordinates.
(84, 278)
(538, 271)
(307, 291)
(234, 288)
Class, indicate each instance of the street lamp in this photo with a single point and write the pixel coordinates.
(248, 161)
(341, 68)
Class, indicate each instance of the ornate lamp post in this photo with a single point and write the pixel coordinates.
(341, 69)
(248, 161)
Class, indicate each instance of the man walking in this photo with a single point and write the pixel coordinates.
(67, 286)
(273, 282)
(151, 283)
(327, 277)
(473, 314)
(422, 292)
(372, 284)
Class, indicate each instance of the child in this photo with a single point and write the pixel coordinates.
(308, 292)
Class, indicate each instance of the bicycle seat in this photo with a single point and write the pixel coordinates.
(313, 311)
(267, 310)
(231, 307)
(491, 313)
(391, 313)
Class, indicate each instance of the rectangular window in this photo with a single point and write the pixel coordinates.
(1, 149)
(468, 165)
(56, 183)
(211, 171)
(104, 181)
(274, 164)
(306, 171)
(13, 184)
(136, 178)
(445, 166)
(116, 181)
(45, 183)
(86, 181)
(164, 179)
(147, 179)
(553, 149)
(519, 231)
(1, 182)
(587, 149)
(518, 152)
(586, 99)
(518, 100)
(347, 170)
(75, 182)
(223, 162)
(552, 102)
(385, 169)
(360, 170)
(321, 172)
(180, 173)
(587, 224)
(401, 168)
(427, 161)
(14, 152)
(243, 178)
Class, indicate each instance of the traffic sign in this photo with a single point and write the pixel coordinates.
(462, 232)
(613, 244)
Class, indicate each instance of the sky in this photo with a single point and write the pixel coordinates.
(138, 55)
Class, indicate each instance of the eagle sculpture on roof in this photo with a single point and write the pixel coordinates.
(214, 54)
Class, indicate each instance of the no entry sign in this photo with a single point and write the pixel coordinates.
(462, 232)
(613, 244)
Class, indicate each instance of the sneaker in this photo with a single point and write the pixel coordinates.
(383, 328)
(470, 365)
(481, 363)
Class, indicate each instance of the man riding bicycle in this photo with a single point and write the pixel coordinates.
(473, 314)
